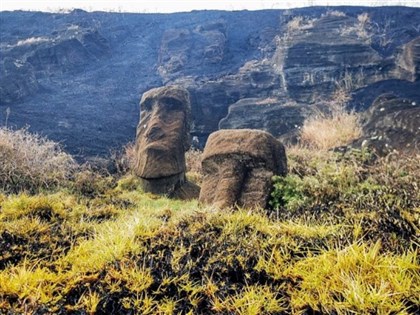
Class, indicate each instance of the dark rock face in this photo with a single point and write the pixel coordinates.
(17, 81)
(162, 139)
(185, 50)
(409, 59)
(269, 114)
(238, 166)
(77, 77)
(392, 124)
(321, 56)
(210, 99)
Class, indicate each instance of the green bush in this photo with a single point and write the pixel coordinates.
(288, 192)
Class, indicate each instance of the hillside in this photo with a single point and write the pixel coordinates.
(341, 236)
(78, 77)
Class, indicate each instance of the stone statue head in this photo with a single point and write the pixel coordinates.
(163, 136)
(238, 166)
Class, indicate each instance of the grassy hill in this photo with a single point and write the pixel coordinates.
(341, 236)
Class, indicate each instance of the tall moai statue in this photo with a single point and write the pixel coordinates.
(163, 137)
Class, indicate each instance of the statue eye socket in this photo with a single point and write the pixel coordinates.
(171, 103)
(147, 105)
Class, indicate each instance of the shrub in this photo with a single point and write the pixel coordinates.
(362, 28)
(287, 192)
(381, 195)
(193, 160)
(299, 24)
(124, 160)
(129, 182)
(88, 182)
(328, 130)
(32, 162)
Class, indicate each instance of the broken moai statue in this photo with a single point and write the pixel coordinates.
(238, 167)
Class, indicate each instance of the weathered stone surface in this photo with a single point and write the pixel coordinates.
(210, 99)
(324, 54)
(68, 52)
(269, 114)
(185, 50)
(409, 60)
(162, 139)
(391, 124)
(238, 166)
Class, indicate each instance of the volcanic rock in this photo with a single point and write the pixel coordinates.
(77, 77)
(392, 124)
(268, 114)
(409, 60)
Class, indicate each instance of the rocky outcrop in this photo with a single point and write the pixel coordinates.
(314, 61)
(238, 166)
(319, 56)
(391, 124)
(269, 114)
(161, 141)
(35, 57)
(70, 52)
(409, 60)
(210, 99)
(183, 50)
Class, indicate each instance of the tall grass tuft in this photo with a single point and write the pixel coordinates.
(336, 128)
(193, 163)
(31, 162)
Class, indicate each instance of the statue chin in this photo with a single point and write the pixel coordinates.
(163, 186)
(156, 161)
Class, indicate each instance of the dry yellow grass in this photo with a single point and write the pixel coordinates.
(193, 160)
(29, 161)
(326, 131)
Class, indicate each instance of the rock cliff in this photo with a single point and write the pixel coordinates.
(78, 77)
(391, 124)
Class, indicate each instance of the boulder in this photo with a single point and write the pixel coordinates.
(161, 141)
(238, 166)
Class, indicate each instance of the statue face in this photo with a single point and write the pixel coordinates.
(162, 134)
(238, 166)
(235, 180)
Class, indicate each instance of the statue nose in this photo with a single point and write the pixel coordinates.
(154, 133)
(228, 191)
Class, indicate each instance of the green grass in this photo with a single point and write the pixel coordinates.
(342, 237)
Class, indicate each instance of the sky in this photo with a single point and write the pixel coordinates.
(167, 6)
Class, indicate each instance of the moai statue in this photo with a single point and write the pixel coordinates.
(161, 141)
(238, 166)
